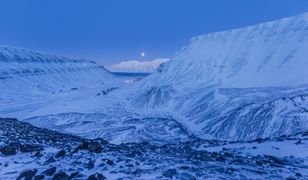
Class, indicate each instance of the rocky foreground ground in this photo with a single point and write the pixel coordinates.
(28, 152)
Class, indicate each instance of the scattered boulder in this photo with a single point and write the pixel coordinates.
(170, 173)
(90, 165)
(95, 147)
(275, 159)
(185, 176)
(8, 150)
(291, 178)
(109, 162)
(60, 154)
(259, 163)
(50, 171)
(84, 145)
(39, 177)
(27, 175)
(298, 142)
(38, 154)
(74, 174)
(298, 174)
(96, 176)
(50, 160)
(30, 148)
(60, 176)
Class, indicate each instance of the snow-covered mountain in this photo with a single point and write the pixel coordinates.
(240, 84)
(138, 66)
(74, 96)
(26, 73)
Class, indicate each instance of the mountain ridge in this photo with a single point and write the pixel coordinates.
(209, 85)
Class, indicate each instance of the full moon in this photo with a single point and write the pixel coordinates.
(142, 54)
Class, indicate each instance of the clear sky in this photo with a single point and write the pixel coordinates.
(109, 31)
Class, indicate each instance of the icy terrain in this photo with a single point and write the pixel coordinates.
(240, 84)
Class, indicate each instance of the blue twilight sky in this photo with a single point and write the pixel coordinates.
(109, 31)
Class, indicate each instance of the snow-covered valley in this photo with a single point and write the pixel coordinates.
(226, 103)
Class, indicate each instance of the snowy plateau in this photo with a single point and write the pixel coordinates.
(229, 105)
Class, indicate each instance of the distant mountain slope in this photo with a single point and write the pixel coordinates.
(138, 66)
(76, 97)
(240, 84)
(26, 73)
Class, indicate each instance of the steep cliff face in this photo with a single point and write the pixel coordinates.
(240, 84)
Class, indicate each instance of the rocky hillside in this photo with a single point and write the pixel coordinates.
(30, 152)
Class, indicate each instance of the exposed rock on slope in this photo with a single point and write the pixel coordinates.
(240, 84)
(70, 157)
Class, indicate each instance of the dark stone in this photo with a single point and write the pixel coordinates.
(39, 177)
(170, 173)
(60, 176)
(110, 162)
(76, 150)
(220, 158)
(291, 178)
(221, 170)
(8, 150)
(60, 154)
(259, 163)
(74, 174)
(185, 167)
(185, 176)
(96, 176)
(95, 147)
(38, 154)
(90, 165)
(50, 171)
(30, 148)
(84, 145)
(227, 154)
(298, 174)
(275, 159)
(50, 160)
(27, 175)
(298, 142)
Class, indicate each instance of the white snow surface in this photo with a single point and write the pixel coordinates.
(136, 66)
(263, 55)
(239, 84)
(76, 97)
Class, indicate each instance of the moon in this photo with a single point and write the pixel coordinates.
(142, 54)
